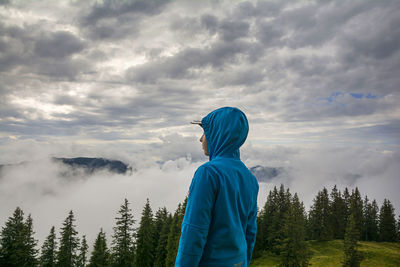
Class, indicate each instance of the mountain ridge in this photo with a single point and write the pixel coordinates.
(90, 165)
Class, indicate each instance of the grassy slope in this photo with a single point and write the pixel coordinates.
(330, 253)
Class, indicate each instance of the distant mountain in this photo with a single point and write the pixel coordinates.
(265, 174)
(90, 165)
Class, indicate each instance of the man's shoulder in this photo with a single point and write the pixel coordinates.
(206, 167)
(223, 164)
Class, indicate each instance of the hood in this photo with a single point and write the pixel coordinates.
(225, 130)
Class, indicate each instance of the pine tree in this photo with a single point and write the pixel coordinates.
(83, 250)
(283, 205)
(123, 243)
(320, 216)
(338, 214)
(48, 256)
(160, 217)
(69, 242)
(356, 208)
(100, 254)
(271, 224)
(370, 229)
(173, 237)
(17, 242)
(264, 232)
(346, 198)
(374, 228)
(387, 222)
(145, 238)
(272, 219)
(30, 244)
(398, 229)
(161, 251)
(294, 250)
(352, 257)
(260, 239)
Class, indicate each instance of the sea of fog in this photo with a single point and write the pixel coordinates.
(48, 190)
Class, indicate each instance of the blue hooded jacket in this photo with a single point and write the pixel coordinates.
(219, 227)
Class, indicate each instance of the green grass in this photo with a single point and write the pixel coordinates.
(330, 253)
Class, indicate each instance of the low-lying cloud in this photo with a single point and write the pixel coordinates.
(42, 188)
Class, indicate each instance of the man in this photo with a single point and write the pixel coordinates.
(219, 227)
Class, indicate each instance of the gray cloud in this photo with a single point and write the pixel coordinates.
(108, 9)
(58, 45)
(376, 42)
(118, 19)
(210, 22)
(247, 9)
(269, 33)
(14, 43)
(231, 30)
(247, 76)
(4, 2)
(43, 53)
(179, 65)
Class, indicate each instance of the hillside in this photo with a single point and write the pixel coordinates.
(90, 165)
(330, 253)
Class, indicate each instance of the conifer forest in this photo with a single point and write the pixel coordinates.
(283, 227)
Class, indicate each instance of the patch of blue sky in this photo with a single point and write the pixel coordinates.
(333, 98)
(371, 96)
(356, 95)
(360, 95)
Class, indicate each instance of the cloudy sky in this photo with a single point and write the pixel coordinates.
(318, 80)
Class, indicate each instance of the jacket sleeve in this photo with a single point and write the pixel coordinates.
(197, 218)
(251, 231)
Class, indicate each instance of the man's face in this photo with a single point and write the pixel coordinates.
(204, 143)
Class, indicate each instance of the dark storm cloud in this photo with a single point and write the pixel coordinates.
(247, 9)
(373, 42)
(228, 29)
(4, 2)
(109, 8)
(68, 68)
(210, 22)
(269, 33)
(119, 19)
(179, 65)
(247, 76)
(58, 45)
(231, 30)
(45, 53)
(161, 106)
(14, 42)
(318, 22)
